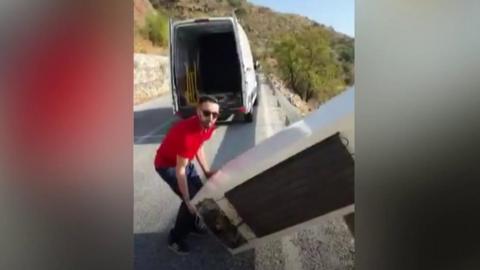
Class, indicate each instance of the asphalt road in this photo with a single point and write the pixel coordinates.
(326, 246)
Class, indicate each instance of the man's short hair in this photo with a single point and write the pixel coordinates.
(207, 98)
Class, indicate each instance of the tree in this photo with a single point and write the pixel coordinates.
(308, 65)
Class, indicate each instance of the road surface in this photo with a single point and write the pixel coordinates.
(326, 246)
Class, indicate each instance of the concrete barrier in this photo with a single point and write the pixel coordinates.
(292, 113)
(151, 76)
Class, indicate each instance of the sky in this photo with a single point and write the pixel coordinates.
(340, 14)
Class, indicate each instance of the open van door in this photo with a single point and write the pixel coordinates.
(293, 179)
(249, 71)
(240, 55)
(249, 81)
(237, 40)
(172, 66)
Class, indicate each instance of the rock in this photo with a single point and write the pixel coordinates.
(293, 98)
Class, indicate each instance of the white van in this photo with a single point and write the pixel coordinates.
(212, 56)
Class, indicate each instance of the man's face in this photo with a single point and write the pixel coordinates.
(208, 113)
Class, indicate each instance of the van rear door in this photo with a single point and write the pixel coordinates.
(240, 56)
(173, 88)
(250, 80)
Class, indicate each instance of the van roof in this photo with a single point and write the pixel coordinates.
(189, 21)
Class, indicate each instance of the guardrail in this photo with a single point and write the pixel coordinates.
(292, 113)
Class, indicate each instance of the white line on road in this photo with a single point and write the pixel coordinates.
(264, 112)
(157, 129)
(159, 137)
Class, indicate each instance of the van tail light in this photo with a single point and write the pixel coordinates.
(242, 109)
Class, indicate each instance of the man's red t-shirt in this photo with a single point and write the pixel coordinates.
(183, 139)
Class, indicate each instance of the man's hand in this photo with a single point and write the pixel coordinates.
(203, 163)
(190, 207)
(210, 173)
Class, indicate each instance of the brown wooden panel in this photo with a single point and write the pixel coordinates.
(314, 182)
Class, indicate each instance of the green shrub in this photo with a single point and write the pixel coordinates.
(346, 53)
(241, 12)
(156, 28)
(307, 64)
(235, 3)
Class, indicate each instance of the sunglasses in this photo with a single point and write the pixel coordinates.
(207, 113)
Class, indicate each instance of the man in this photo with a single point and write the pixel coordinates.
(173, 162)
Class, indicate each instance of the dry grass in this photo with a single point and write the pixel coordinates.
(142, 45)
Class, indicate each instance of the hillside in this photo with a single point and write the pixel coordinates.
(265, 29)
(141, 43)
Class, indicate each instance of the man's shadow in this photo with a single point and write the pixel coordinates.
(151, 252)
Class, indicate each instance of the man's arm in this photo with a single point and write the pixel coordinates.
(182, 181)
(202, 160)
(203, 163)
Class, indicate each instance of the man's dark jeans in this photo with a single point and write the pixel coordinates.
(185, 220)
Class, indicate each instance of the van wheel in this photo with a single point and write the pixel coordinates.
(248, 117)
